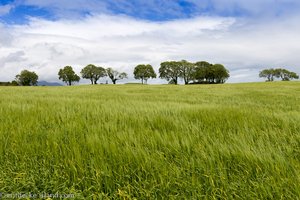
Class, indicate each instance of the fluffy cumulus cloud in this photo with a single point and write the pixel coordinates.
(244, 45)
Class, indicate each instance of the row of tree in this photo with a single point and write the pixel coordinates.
(91, 72)
(172, 71)
(200, 72)
(197, 73)
(68, 75)
(284, 74)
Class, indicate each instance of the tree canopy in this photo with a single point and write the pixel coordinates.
(210, 73)
(220, 73)
(267, 73)
(187, 71)
(27, 78)
(171, 71)
(114, 75)
(68, 75)
(93, 73)
(200, 72)
(284, 74)
(144, 72)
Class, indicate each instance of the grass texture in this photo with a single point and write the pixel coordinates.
(232, 141)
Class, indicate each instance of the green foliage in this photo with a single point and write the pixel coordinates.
(284, 74)
(187, 71)
(144, 72)
(233, 141)
(209, 73)
(13, 83)
(68, 75)
(202, 72)
(220, 73)
(93, 73)
(268, 73)
(170, 70)
(27, 78)
(115, 75)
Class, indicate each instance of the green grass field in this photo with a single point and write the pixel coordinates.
(232, 141)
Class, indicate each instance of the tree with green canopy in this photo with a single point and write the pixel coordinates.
(221, 74)
(68, 75)
(93, 73)
(171, 71)
(144, 72)
(210, 73)
(268, 73)
(187, 71)
(27, 78)
(202, 71)
(114, 75)
(285, 74)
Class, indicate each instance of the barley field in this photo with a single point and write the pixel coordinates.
(231, 141)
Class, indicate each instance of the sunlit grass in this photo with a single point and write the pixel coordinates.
(146, 142)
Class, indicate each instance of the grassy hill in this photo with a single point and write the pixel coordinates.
(227, 141)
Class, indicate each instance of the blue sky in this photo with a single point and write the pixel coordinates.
(153, 10)
(246, 36)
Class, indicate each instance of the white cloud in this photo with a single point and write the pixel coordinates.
(5, 9)
(121, 42)
(6, 37)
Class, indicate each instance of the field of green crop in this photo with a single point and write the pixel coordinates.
(232, 141)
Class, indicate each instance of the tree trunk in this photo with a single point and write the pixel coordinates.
(175, 81)
(114, 81)
(186, 81)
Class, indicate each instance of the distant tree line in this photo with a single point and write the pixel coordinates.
(192, 73)
(283, 74)
(13, 83)
(172, 71)
(91, 72)
(200, 72)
